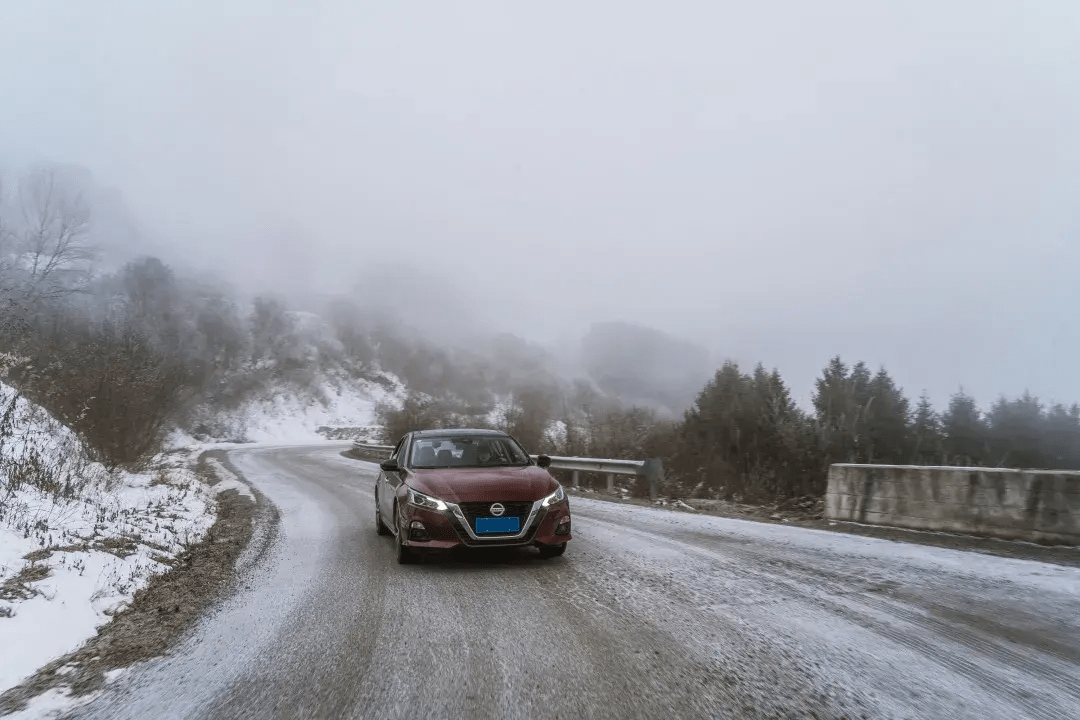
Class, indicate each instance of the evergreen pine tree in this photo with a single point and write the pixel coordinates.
(1016, 427)
(926, 434)
(965, 431)
(886, 417)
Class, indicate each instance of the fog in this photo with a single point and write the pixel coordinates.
(777, 181)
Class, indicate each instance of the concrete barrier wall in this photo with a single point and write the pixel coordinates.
(1035, 505)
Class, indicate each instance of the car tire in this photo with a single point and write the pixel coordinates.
(551, 551)
(405, 556)
(380, 526)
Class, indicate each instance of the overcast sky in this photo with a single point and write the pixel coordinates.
(897, 182)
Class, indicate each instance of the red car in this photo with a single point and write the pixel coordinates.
(443, 489)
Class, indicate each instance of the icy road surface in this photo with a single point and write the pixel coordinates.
(650, 614)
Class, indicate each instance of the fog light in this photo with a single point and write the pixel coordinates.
(417, 532)
(417, 525)
(563, 528)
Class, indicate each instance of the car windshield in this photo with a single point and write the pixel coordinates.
(467, 451)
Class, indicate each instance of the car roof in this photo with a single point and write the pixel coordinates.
(459, 431)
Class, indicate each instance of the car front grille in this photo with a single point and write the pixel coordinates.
(474, 510)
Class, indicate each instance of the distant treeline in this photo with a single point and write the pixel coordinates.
(745, 437)
(123, 357)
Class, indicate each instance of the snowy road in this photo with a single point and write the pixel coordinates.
(650, 614)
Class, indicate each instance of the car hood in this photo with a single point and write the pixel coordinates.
(484, 484)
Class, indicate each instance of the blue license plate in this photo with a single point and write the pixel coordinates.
(489, 525)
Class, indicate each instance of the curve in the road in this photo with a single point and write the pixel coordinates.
(649, 614)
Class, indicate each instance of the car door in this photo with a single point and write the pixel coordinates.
(388, 483)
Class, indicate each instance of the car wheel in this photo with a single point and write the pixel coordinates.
(380, 526)
(405, 556)
(550, 551)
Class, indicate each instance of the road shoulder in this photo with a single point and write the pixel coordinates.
(169, 606)
(810, 517)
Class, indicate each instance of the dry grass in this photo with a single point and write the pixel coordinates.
(17, 587)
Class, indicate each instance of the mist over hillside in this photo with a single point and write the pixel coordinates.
(209, 358)
(443, 333)
(643, 366)
(129, 352)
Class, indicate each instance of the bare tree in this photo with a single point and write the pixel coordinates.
(50, 249)
(7, 245)
(10, 278)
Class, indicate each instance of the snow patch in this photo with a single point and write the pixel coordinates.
(227, 480)
(290, 415)
(52, 704)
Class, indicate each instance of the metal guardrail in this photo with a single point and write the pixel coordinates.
(371, 448)
(611, 467)
(650, 470)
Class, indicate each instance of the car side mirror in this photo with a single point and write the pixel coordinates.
(543, 461)
(390, 465)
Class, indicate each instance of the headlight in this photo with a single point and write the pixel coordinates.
(555, 497)
(425, 501)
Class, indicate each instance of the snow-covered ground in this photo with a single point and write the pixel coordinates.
(77, 541)
(297, 418)
(289, 416)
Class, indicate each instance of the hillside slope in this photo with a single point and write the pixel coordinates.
(76, 540)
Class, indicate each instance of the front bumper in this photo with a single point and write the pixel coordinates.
(448, 529)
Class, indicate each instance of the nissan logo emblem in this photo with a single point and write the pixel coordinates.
(497, 509)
